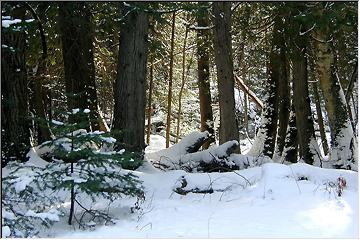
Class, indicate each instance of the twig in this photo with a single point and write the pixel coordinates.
(297, 184)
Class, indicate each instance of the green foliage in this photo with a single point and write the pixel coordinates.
(81, 165)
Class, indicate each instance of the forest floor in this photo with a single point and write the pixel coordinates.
(271, 201)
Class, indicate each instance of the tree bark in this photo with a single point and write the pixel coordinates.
(320, 119)
(129, 112)
(247, 91)
(182, 84)
(225, 76)
(246, 116)
(290, 152)
(78, 53)
(148, 131)
(304, 120)
(265, 139)
(15, 124)
(203, 42)
(43, 130)
(168, 118)
(352, 81)
(283, 100)
(342, 142)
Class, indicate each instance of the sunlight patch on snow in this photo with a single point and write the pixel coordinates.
(334, 216)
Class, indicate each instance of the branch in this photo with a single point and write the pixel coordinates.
(247, 90)
(41, 29)
(351, 83)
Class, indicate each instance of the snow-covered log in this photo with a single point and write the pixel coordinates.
(176, 157)
(189, 144)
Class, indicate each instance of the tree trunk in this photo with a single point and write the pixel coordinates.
(320, 119)
(203, 42)
(182, 84)
(129, 112)
(168, 118)
(43, 130)
(290, 151)
(15, 124)
(148, 131)
(342, 152)
(308, 146)
(352, 81)
(283, 100)
(225, 76)
(78, 53)
(265, 139)
(246, 116)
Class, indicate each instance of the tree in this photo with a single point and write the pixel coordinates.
(183, 77)
(129, 111)
(265, 139)
(225, 76)
(341, 131)
(43, 131)
(169, 100)
(203, 42)
(15, 124)
(290, 152)
(308, 147)
(149, 103)
(78, 54)
(320, 118)
(281, 62)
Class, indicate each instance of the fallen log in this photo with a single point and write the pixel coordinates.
(176, 157)
(247, 90)
(189, 144)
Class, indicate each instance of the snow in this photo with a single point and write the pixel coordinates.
(7, 215)
(174, 153)
(52, 215)
(22, 182)
(271, 203)
(109, 139)
(75, 110)
(265, 200)
(5, 231)
(6, 23)
(57, 122)
(86, 110)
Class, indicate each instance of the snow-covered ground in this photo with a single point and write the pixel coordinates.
(273, 200)
(274, 204)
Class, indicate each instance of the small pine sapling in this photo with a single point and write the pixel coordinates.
(80, 166)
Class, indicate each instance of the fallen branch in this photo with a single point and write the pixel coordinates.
(247, 90)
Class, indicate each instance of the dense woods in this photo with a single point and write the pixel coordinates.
(275, 81)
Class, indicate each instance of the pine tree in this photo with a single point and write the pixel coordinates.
(15, 124)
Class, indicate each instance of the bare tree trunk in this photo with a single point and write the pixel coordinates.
(182, 84)
(15, 124)
(320, 119)
(148, 131)
(168, 118)
(77, 42)
(264, 143)
(342, 137)
(352, 81)
(223, 58)
(246, 116)
(43, 130)
(129, 112)
(283, 99)
(290, 152)
(203, 42)
(304, 120)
